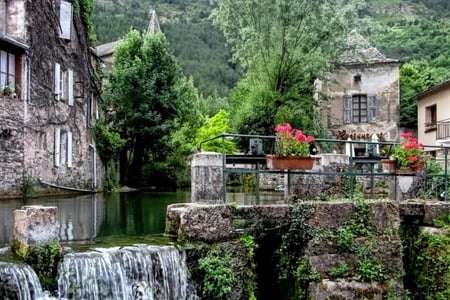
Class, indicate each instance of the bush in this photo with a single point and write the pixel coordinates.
(219, 276)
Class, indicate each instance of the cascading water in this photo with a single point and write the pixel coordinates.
(19, 281)
(133, 272)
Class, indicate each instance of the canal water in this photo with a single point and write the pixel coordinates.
(111, 219)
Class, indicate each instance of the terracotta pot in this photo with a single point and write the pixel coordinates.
(290, 162)
(389, 165)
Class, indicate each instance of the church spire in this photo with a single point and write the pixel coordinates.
(153, 25)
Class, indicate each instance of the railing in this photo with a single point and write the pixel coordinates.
(371, 159)
(443, 130)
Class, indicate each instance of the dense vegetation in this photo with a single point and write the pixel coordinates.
(258, 66)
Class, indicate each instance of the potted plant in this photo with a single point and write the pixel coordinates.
(409, 155)
(292, 149)
(7, 90)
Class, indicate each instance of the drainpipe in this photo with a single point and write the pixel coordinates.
(94, 165)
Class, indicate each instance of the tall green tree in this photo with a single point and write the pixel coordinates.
(283, 45)
(143, 99)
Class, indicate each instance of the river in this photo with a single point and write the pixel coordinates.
(115, 218)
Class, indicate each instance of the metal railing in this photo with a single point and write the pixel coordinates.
(443, 130)
(371, 158)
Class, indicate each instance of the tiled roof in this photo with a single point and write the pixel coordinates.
(360, 51)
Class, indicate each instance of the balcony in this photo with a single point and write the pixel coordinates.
(443, 131)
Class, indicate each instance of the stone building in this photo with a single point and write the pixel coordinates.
(48, 104)
(361, 95)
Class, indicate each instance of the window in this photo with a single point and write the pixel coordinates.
(63, 148)
(63, 85)
(7, 69)
(430, 118)
(359, 109)
(65, 19)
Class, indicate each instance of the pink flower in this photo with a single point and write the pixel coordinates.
(406, 135)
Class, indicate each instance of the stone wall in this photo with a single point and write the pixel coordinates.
(41, 115)
(318, 235)
(11, 145)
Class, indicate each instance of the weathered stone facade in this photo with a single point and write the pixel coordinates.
(362, 94)
(54, 108)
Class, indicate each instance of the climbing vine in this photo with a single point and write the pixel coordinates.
(86, 9)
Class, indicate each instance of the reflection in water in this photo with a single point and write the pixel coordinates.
(99, 215)
(114, 214)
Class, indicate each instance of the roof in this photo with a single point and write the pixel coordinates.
(432, 89)
(359, 50)
(107, 49)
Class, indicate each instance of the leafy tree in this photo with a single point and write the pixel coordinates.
(174, 170)
(415, 77)
(143, 99)
(215, 126)
(282, 45)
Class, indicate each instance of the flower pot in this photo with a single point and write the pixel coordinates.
(389, 165)
(289, 162)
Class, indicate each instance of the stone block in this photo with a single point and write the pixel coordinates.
(36, 225)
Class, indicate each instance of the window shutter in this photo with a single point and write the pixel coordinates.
(347, 108)
(57, 81)
(372, 108)
(70, 87)
(57, 147)
(65, 19)
(69, 149)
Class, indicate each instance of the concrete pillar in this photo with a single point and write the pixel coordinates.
(207, 178)
(36, 225)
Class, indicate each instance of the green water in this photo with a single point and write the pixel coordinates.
(115, 219)
(137, 213)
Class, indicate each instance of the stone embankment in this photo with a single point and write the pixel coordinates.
(336, 249)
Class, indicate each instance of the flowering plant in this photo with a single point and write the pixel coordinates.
(291, 141)
(409, 153)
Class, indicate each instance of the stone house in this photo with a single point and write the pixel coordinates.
(46, 123)
(433, 116)
(361, 95)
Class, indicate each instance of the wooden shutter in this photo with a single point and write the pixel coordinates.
(57, 81)
(65, 19)
(347, 109)
(69, 149)
(372, 108)
(57, 147)
(70, 87)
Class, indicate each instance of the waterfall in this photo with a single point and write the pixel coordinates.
(132, 272)
(19, 281)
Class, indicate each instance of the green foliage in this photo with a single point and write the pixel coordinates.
(219, 276)
(199, 46)
(215, 126)
(369, 271)
(430, 275)
(434, 185)
(282, 46)
(340, 271)
(44, 260)
(251, 246)
(28, 186)
(108, 143)
(143, 99)
(111, 180)
(86, 9)
(345, 238)
(303, 275)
